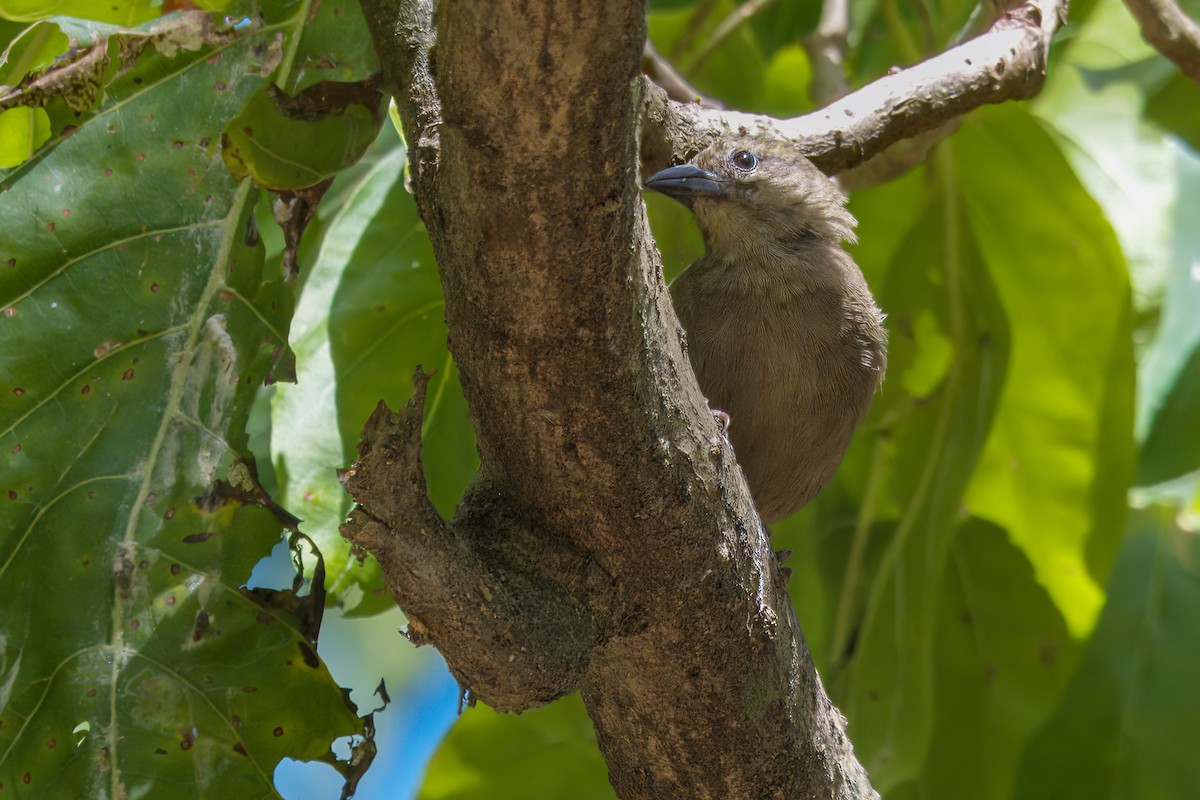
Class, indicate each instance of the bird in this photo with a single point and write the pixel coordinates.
(782, 331)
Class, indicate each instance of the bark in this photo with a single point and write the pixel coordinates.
(608, 543)
(1170, 31)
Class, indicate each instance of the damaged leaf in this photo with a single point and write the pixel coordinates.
(290, 143)
(139, 321)
(62, 68)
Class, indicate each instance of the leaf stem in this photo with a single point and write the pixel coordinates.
(858, 549)
(284, 70)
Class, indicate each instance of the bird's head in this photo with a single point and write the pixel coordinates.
(750, 192)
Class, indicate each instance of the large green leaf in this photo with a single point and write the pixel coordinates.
(1127, 725)
(120, 12)
(1093, 104)
(1003, 657)
(1059, 459)
(1107, 104)
(946, 370)
(138, 322)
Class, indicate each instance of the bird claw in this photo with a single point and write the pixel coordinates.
(780, 557)
(723, 421)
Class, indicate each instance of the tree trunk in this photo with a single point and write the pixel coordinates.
(608, 543)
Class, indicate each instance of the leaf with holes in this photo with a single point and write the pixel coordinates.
(138, 323)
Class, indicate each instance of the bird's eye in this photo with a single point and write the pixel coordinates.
(745, 161)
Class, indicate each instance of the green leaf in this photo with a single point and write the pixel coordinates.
(1127, 725)
(290, 143)
(1059, 458)
(22, 132)
(888, 690)
(1094, 106)
(138, 323)
(1176, 107)
(335, 45)
(1003, 657)
(34, 47)
(934, 353)
(545, 754)
(118, 12)
(1168, 414)
(370, 313)
(785, 83)
(1147, 185)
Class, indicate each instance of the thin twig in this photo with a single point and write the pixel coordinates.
(826, 49)
(659, 70)
(736, 18)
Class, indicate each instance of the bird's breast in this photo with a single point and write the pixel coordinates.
(794, 373)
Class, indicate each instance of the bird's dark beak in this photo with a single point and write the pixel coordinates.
(685, 182)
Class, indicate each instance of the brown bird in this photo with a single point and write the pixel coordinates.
(783, 333)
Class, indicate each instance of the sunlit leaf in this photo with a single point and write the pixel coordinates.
(1060, 455)
(888, 689)
(1002, 660)
(370, 313)
(22, 132)
(36, 46)
(118, 12)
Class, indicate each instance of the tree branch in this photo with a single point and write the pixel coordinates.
(826, 50)
(1169, 31)
(522, 640)
(403, 36)
(1007, 62)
